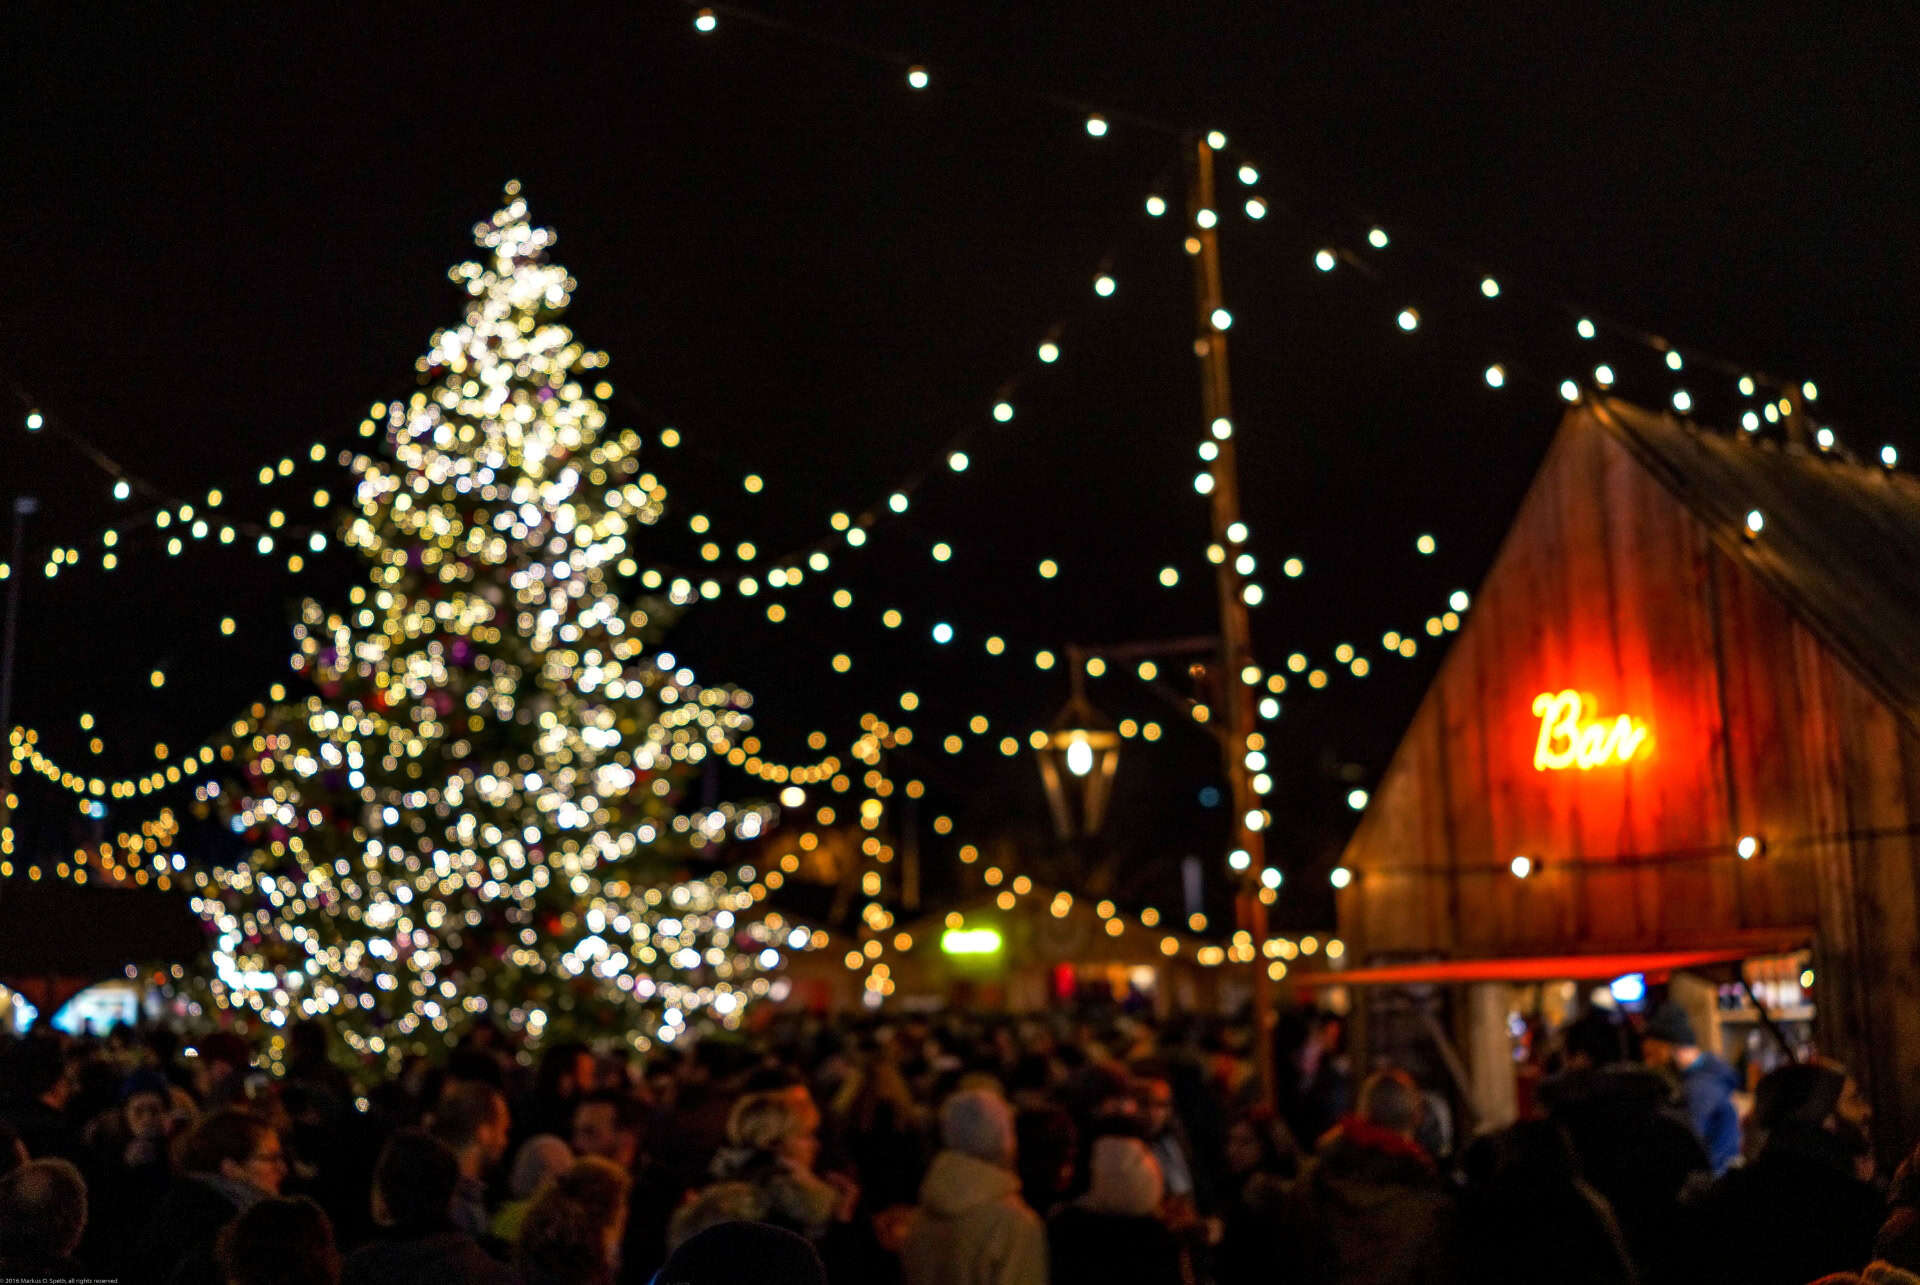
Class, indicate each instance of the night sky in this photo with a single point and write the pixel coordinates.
(228, 232)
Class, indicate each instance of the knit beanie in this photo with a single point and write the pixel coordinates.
(1125, 1179)
(144, 1081)
(979, 1123)
(739, 1251)
(540, 1157)
(1669, 1022)
(1798, 1093)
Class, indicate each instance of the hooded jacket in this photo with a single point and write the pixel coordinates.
(1636, 1150)
(1113, 1234)
(1707, 1089)
(445, 1257)
(1795, 1213)
(973, 1229)
(1369, 1209)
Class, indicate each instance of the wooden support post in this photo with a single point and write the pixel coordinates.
(1496, 1100)
(1236, 647)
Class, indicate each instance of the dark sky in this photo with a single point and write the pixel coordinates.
(228, 230)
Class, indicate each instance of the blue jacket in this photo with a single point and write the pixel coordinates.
(1707, 1088)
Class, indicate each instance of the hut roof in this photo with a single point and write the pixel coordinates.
(1839, 542)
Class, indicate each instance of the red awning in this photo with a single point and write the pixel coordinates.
(1541, 968)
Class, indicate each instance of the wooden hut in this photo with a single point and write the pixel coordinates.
(1680, 727)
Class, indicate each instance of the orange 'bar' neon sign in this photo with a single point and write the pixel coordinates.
(1568, 741)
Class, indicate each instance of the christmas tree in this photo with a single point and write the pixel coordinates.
(472, 815)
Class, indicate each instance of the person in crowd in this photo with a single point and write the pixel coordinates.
(414, 1185)
(1322, 1077)
(613, 1126)
(1804, 1205)
(973, 1228)
(1635, 1147)
(573, 1230)
(609, 1125)
(309, 1068)
(1527, 1213)
(540, 1158)
(1261, 1159)
(771, 1146)
(884, 1131)
(472, 1120)
(1113, 1233)
(1047, 1146)
(43, 1214)
(230, 1161)
(565, 1076)
(128, 1165)
(13, 1152)
(1369, 1208)
(733, 1252)
(1166, 1136)
(279, 1241)
(36, 1085)
(722, 1202)
(1899, 1239)
(221, 1070)
(1706, 1082)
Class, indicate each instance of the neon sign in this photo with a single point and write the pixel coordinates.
(970, 941)
(1567, 739)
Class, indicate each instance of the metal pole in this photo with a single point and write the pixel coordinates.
(23, 507)
(1236, 648)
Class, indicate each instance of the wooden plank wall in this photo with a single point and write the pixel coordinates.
(1607, 584)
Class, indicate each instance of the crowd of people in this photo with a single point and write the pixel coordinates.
(954, 1149)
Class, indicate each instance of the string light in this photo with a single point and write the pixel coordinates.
(917, 77)
(1097, 125)
(705, 21)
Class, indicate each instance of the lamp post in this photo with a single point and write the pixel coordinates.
(1236, 648)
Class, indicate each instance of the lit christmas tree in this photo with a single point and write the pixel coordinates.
(474, 813)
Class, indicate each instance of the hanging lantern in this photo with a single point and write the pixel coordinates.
(1078, 760)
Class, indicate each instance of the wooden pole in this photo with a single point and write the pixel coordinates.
(24, 506)
(1236, 649)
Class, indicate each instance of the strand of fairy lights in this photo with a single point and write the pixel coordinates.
(1099, 123)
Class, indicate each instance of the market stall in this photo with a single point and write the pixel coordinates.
(1680, 727)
